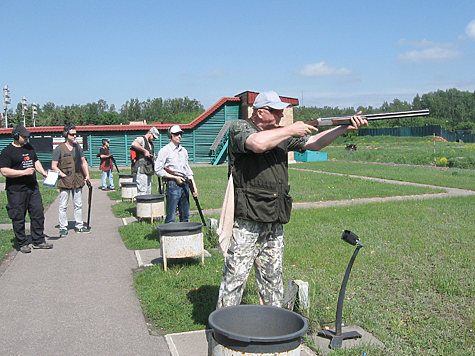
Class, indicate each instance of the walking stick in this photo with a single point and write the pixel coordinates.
(89, 185)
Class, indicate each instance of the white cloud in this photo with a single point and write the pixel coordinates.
(322, 70)
(416, 43)
(470, 29)
(429, 54)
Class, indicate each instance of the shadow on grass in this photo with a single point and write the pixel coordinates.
(154, 235)
(204, 301)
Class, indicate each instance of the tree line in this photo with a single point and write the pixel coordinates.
(452, 109)
(177, 110)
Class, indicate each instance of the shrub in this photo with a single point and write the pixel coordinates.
(441, 162)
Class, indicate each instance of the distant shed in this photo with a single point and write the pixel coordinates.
(199, 136)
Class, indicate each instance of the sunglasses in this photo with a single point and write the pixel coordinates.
(70, 134)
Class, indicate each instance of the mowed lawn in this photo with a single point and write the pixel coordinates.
(411, 285)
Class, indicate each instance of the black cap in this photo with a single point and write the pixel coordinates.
(21, 130)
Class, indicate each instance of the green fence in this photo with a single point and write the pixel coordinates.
(419, 132)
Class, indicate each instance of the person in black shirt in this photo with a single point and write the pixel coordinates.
(19, 164)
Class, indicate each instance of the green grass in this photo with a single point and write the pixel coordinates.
(411, 286)
(454, 178)
(404, 150)
(7, 242)
(305, 187)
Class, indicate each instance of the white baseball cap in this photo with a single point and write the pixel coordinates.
(270, 99)
(175, 129)
(154, 132)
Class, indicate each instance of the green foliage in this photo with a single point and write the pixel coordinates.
(441, 162)
(466, 125)
(448, 108)
(178, 110)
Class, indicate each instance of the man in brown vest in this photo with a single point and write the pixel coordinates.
(68, 159)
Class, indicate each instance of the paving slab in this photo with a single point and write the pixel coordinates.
(366, 339)
(195, 343)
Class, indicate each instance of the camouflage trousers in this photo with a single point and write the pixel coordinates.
(258, 244)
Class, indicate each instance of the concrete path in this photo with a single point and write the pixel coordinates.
(78, 298)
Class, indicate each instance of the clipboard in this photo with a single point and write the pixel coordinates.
(51, 178)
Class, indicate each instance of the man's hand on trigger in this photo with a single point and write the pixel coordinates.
(301, 129)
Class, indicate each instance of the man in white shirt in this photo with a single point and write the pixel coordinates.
(174, 157)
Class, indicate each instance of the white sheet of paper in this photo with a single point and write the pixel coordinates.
(51, 178)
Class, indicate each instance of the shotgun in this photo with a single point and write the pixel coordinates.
(346, 120)
(112, 159)
(192, 189)
(115, 163)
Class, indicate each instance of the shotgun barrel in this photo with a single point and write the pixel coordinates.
(346, 120)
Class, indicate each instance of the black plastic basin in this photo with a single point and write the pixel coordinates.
(150, 198)
(258, 328)
(128, 184)
(180, 228)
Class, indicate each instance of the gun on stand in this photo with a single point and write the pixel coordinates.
(346, 120)
(192, 189)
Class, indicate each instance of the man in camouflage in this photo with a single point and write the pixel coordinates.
(258, 150)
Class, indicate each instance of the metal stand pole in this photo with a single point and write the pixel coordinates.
(338, 336)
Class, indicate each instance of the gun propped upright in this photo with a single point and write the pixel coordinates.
(346, 120)
(192, 189)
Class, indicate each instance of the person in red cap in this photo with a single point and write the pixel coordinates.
(19, 164)
(258, 164)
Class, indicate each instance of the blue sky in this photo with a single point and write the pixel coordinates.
(325, 53)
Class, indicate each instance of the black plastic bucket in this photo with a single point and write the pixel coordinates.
(150, 198)
(129, 184)
(258, 328)
(180, 228)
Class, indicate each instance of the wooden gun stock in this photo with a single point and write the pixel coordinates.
(346, 120)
